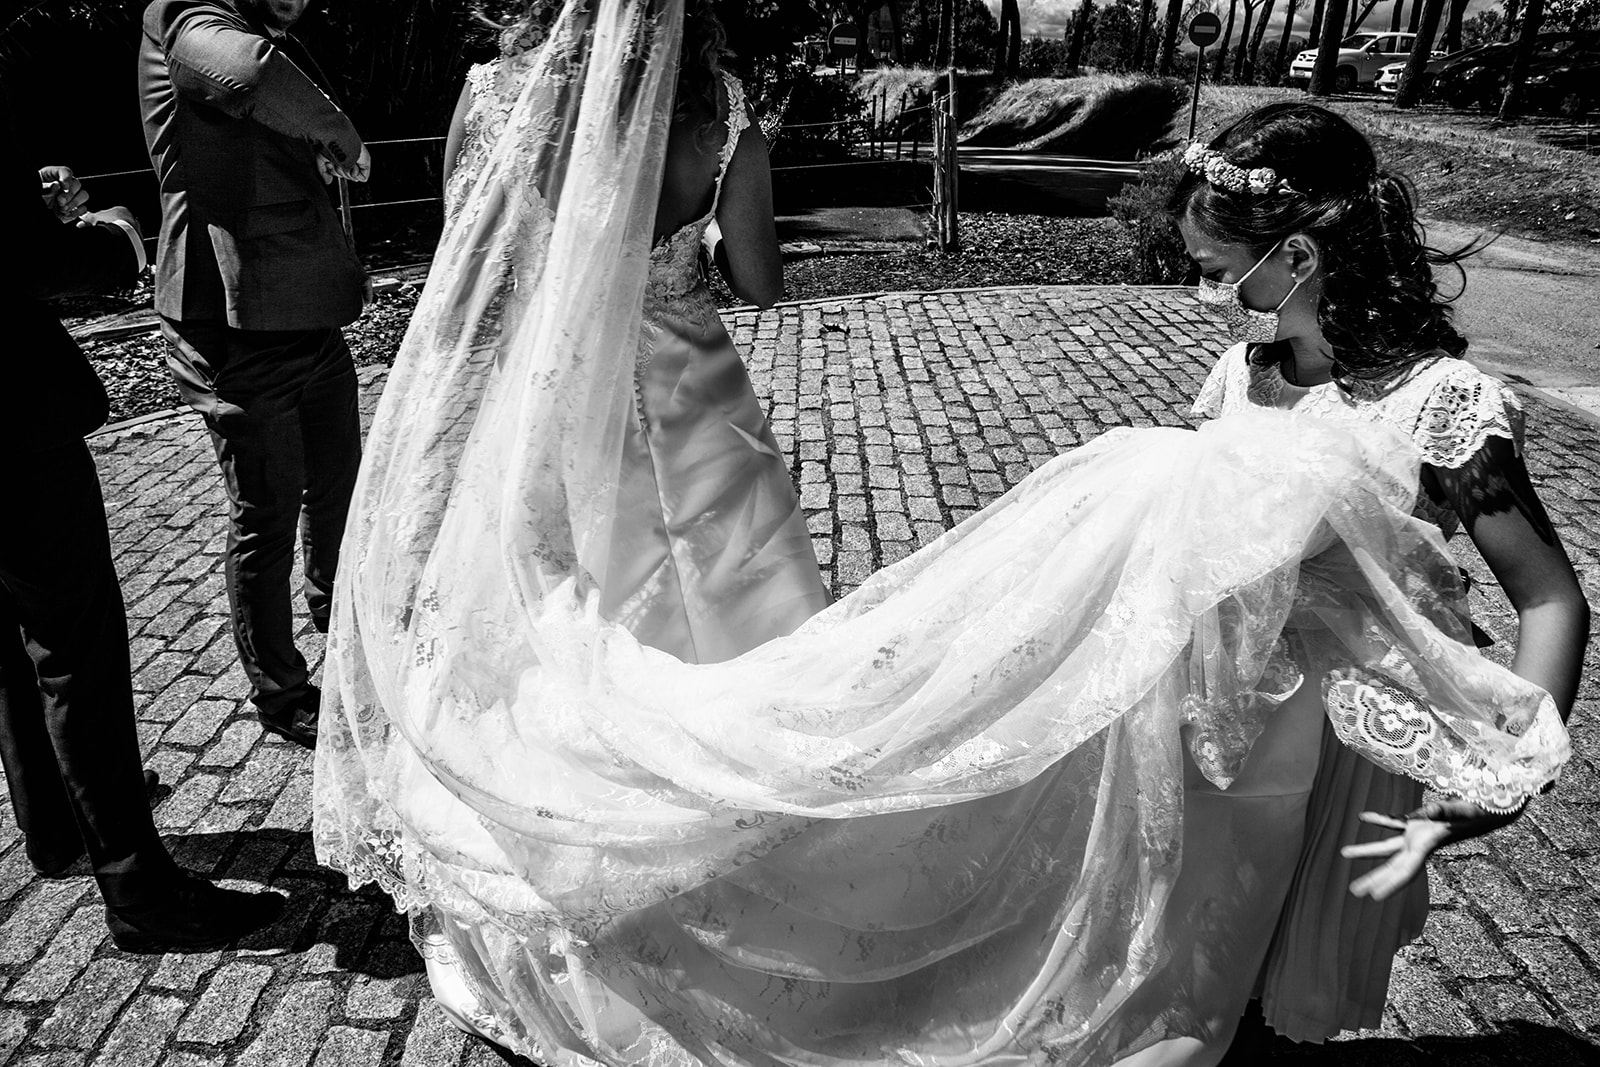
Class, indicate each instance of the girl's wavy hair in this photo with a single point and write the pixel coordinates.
(1381, 308)
(700, 57)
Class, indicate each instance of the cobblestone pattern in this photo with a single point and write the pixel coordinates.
(903, 415)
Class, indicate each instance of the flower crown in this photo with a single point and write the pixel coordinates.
(1215, 168)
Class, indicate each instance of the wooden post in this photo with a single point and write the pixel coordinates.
(936, 128)
(952, 170)
(900, 126)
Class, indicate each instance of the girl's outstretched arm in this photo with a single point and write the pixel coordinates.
(1500, 510)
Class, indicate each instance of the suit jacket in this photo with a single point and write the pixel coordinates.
(49, 395)
(248, 235)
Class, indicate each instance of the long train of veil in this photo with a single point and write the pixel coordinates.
(971, 766)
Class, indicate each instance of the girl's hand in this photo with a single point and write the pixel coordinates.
(1432, 826)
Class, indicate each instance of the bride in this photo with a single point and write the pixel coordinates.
(940, 822)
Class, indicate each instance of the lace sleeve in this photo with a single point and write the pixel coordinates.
(1213, 398)
(1463, 409)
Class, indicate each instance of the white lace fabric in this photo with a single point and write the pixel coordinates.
(962, 784)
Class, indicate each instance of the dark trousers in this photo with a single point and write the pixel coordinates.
(282, 410)
(67, 734)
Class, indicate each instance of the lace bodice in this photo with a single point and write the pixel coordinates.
(675, 260)
(1447, 406)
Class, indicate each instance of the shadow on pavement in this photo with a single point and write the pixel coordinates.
(1516, 1042)
(333, 926)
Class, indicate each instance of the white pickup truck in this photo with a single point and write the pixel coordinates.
(1362, 57)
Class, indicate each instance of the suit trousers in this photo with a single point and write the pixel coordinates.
(67, 733)
(282, 409)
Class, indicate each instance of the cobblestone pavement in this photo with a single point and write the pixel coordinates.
(903, 414)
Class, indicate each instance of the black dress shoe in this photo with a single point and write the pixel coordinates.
(57, 864)
(296, 722)
(191, 915)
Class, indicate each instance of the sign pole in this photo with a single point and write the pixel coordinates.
(1194, 105)
(1204, 29)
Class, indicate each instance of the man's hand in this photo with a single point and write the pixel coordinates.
(1421, 833)
(62, 192)
(111, 215)
(327, 169)
(359, 171)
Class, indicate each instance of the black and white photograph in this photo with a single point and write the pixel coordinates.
(800, 533)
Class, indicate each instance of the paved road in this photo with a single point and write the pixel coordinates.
(902, 414)
(1530, 310)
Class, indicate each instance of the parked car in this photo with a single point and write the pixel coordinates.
(1389, 77)
(1568, 83)
(1361, 57)
(1477, 77)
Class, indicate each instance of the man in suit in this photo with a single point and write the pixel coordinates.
(254, 276)
(67, 733)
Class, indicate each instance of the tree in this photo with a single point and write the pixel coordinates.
(1141, 55)
(1509, 29)
(1280, 61)
(1486, 27)
(1394, 16)
(1532, 17)
(1359, 13)
(1255, 42)
(1169, 37)
(1325, 71)
(1452, 26)
(1241, 53)
(1080, 30)
(1116, 33)
(1220, 63)
(1410, 90)
(1008, 46)
(1317, 10)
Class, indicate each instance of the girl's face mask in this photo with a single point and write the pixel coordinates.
(1244, 323)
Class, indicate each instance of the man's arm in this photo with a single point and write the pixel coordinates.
(56, 258)
(215, 59)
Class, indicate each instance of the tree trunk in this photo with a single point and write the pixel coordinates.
(1452, 26)
(1532, 17)
(1242, 53)
(1314, 36)
(1169, 37)
(944, 48)
(1255, 42)
(1509, 30)
(1322, 74)
(1222, 45)
(1282, 62)
(1008, 49)
(1416, 14)
(1140, 55)
(1358, 17)
(1080, 26)
(865, 60)
(1394, 16)
(898, 50)
(1410, 90)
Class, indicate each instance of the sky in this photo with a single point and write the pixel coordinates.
(1049, 18)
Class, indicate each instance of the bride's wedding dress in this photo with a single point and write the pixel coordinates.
(944, 821)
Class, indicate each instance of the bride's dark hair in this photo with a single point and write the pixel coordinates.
(704, 47)
(1381, 308)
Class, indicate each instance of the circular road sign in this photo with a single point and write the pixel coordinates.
(843, 41)
(1205, 28)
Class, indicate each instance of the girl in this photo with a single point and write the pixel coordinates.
(1313, 257)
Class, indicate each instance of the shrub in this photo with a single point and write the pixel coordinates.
(1141, 207)
(1107, 116)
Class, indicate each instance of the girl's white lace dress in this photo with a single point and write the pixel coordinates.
(1328, 966)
